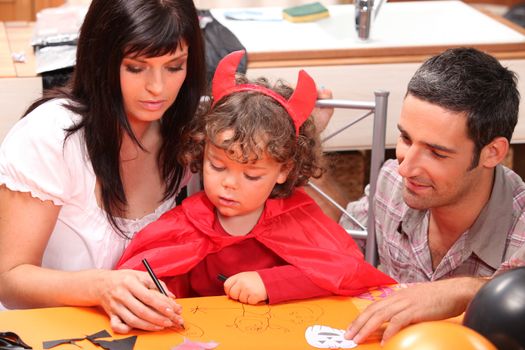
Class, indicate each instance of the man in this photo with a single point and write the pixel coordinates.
(447, 212)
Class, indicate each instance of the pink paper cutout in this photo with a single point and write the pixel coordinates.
(193, 345)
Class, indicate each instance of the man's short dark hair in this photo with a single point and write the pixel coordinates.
(470, 81)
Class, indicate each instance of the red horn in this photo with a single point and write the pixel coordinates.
(299, 106)
(302, 101)
(224, 77)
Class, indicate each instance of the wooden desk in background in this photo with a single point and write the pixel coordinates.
(233, 325)
(402, 37)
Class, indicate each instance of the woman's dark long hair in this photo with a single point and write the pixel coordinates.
(111, 30)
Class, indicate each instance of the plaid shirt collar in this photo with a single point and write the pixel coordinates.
(480, 238)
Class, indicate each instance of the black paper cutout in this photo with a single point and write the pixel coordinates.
(102, 334)
(11, 340)
(52, 343)
(118, 344)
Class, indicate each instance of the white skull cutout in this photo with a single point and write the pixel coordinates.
(324, 337)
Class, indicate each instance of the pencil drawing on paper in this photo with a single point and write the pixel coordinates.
(258, 319)
(191, 330)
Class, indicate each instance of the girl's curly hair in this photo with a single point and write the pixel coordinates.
(255, 117)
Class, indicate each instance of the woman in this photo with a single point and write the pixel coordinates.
(90, 165)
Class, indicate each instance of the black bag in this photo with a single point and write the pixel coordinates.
(219, 41)
(516, 14)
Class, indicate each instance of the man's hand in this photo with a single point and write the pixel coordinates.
(247, 287)
(322, 115)
(419, 302)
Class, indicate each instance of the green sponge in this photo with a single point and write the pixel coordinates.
(305, 13)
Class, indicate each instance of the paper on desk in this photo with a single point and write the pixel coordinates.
(58, 25)
(253, 15)
(55, 36)
(51, 58)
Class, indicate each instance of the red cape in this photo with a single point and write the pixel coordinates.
(294, 228)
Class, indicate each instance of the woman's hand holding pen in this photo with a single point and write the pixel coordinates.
(247, 287)
(131, 300)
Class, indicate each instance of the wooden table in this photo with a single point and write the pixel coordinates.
(233, 325)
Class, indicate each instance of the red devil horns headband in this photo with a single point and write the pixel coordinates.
(299, 105)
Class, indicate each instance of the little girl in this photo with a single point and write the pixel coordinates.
(253, 234)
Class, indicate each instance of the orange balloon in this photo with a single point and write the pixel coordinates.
(438, 335)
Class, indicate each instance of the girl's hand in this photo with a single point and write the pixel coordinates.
(247, 287)
(131, 300)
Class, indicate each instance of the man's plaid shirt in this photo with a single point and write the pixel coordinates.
(494, 243)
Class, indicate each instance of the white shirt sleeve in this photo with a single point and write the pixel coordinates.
(35, 158)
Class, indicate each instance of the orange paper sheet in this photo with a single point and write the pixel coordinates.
(231, 324)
